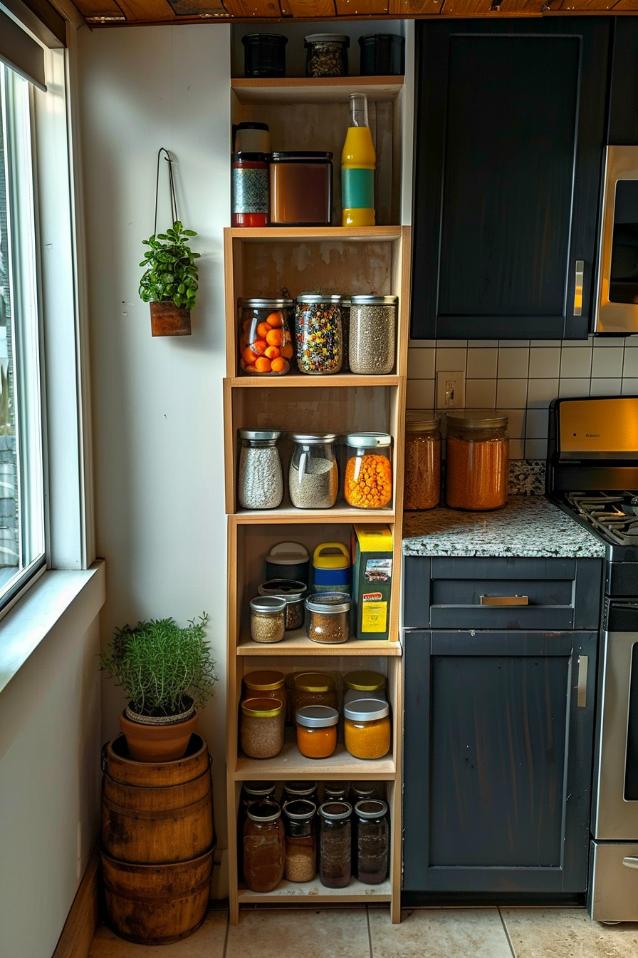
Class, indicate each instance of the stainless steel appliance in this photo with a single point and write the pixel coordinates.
(617, 279)
(593, 475)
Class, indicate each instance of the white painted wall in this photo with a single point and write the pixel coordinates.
(157, 404)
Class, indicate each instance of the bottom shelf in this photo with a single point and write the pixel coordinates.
(316, 892)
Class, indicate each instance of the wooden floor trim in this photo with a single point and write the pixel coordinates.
(81, 923)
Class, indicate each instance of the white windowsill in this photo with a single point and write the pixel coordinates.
(55, 595)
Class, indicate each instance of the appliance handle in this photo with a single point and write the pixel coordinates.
(630, 862)
(581, 682)
(503, 600)
(579, 276)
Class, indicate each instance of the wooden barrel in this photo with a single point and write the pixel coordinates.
(156, 813)
(156, 904)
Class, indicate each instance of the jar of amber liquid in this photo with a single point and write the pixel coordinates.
(422, 488)
(264, 846)
(477, 450)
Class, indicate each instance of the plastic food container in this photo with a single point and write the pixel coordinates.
(249, 189)
(288, 560)
(265, 336)
(367, 731)
(300, 188)
(293, 594)
(260, 484)
(335, 844)
(313, 477)
(265, 684)
(263, 846)
(331, 567)
(252, 138)
(329, 617)
(373, 841)
(372, 334)
(314, 688)
(382, 54)
(363, 684)
(301, 842)
(368, 472)
(317, 730)
(261, 727)
(326, 55)
(264, 54)
(422, 488)
(319, 334)
(267, 618)
(477, 451)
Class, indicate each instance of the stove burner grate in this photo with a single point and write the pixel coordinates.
(615, 514)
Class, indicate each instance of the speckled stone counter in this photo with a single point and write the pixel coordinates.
(527, 526)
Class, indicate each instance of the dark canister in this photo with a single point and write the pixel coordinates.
(372, 841)
(382, 54)
(335, 844)
(264, 54)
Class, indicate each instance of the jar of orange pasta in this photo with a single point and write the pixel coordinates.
(477, 451)
(368, 472)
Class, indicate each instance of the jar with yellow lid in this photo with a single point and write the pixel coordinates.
(265, 684)
(261, 727)
(422, 489)
(367, 731)
(314, 688)
(363, 684)
(477, 450)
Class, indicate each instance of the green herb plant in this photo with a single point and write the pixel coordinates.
(161, 665)
(170, 270)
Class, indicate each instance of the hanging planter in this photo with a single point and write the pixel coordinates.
(170, 279)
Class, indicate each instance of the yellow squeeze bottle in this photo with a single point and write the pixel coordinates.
(358, 163)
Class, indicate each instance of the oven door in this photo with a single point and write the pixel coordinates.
(617, 281)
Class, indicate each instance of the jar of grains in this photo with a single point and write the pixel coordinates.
(317, 730)
(368, 472)
(264, 846)
(477, 450)
(267, 618)
(314, 688)
(265, 336)
(265, 684)
(319, 334)
(346, 303)
(326, 55)
(294, 790)
(260, 482)
(301, 841)
(372, 334)
(367, 732)
(362, 685)
(335, 844)
(313, 478)
(373, 841)
(329, 617)
(261, 727)
(293, 593)
(422, 461)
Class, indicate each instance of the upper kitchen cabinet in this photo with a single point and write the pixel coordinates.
(510, 121)
(623, 96)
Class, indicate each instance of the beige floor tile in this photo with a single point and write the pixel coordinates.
(567, 933)
(439, 933)
(207, 942)
(299, 933)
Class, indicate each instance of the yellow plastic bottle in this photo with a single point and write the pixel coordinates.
(358, 163)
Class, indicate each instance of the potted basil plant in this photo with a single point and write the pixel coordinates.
(170, 280)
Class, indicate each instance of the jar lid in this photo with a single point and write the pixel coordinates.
(259, 788)
(313, 439)
(316, 716)
(249, 157)
(287, 589)
(311, 298)
(326, 38)
(416, 420)
(375, 300)
(261, 303)
(288, 553)
(313, 682)
(366, 710)
(268, 603)
(477, 419)
(368, 440)
(262, 708)
(265, 811)
(329, 602)
(337, 790)
(371, 808)
(300, 810)
(363, 790)
(260, 435)
(250, 125)
(264, 36)
(300, 156)
(335, 811)
(364, 681)
(301, 789)
(381, 36)
(346, 300)
(264, 680)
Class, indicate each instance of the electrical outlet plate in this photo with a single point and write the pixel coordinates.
(450, 389)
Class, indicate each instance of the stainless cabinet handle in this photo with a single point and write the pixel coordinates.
(504, 600)
(578, 287)
(630, 862)
(581, 687)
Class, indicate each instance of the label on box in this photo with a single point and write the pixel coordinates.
(374, 612)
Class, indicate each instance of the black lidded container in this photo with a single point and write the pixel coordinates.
(264, 54)
(382, 54)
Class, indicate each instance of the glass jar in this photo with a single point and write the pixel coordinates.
(336, 791)
(314, 688)
(372, 335)
(422, 489)
(267, 619)
(251, 792)
(329, 617)
(346, 304)
(261, 727)
(295, 790)
(335, 844)
(265, 336)
(264, 846)
(260, 483)
(313, 478)
(362, 685)
(293, 593)
(300, 188)
(265, 684)
(264, 54)
(249, 181)
(301, 842)
(326, 55)
(317, 730)
(361, 791)
(368, 472)
(373, 841)
(319, 334)
(252, 137)
(477, 451)
(367, 731)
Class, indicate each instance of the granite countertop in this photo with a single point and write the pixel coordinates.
(527, 526)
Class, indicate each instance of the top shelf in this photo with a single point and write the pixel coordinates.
(314, 89)
(387, 234)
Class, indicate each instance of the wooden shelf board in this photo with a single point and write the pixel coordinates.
(314, 89)
(305, 516)
(313, 382)
(298, 643)
(291, 765)
(314, 891)
(309, 233)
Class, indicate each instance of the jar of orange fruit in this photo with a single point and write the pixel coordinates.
(265, 336)
(368, 473)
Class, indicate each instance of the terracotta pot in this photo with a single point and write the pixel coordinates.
(167, 319)
(161, 742)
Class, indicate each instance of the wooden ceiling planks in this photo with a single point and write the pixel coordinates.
(155, 10)
(362, 8)
(322, 9)
(253, 9)
(415, 8)
(100, 10)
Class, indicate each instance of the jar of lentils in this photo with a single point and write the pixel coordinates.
(261, 727)
(372, 335)
(260, 484)
(326, 55)
(422, 488)
(319, 334)
(267, 619)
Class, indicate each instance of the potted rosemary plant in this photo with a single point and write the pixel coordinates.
(167, 672)
(170, 280)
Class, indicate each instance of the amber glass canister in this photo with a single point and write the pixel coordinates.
(300, 188)
(422, 488)
(477, 450)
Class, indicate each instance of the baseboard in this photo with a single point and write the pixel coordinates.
(81, 923)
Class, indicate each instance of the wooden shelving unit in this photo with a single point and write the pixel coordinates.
(314, 89)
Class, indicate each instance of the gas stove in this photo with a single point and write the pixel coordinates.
(613, 514)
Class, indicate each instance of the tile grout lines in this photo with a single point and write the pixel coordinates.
(507, 934)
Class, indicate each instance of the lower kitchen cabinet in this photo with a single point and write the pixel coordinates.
(498, 761)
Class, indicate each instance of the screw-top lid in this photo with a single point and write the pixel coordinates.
(314, 682)
(300, 810)
(261, 303)
(262, 708)
(268, 604)
(336, 791)
(362, 790)
(249, 157)
(419, 420)
(371, 808)
(259, 789)
(329, 602)
(300, 789)
(300, 156)
(319, 298)
(335, 811)
(287, 589)
(264, 680)
(313, 439)
(264, 811)
(375, 300)
(256, 37)
(366, 710)
(368, 440)
(477, 419)
(326, 38)
(260, 435)
(317, 716)
(364, 680)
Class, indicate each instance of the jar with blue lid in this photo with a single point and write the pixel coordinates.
(331, 568)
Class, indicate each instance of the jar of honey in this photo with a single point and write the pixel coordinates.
(317, 730)
(264, 847)
(477, 451)
(314, 688)
(265, 684)
(367, 731)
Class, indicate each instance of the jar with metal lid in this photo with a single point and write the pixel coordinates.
(422, 489)
(264, 846)
(293, 593)
(267, 618)
(328, 617)
(368, 472)
(372, 335)
(265, 336)
(260, 483)
(295, 790)
(367, 731)
(313, 477)
(326, 55)
(335, 844)
(373, 841)
(300, 188)
(317, 730)
(250, 184)
(363, 684)
(261, 727)
(314, 688)
(477, 451)
(319, 334)
(336, 791)
(251, 792)
(301, 841)
(364, 790)
(252, 137)
(265, 684)
(264, 54)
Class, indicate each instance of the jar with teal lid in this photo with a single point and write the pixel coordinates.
(331, 568)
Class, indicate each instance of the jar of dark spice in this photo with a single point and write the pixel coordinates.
(264, 54)
(373, 841)
(319, 334)
(329, 617)
(296, 790)
(251, 792)
(264, 846)
(250, 202)
(336, 791)
(293, 593)
(301, 841)
(326, 55)
(335, 844)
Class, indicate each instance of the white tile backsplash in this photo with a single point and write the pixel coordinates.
(513, 362)
(511, 393)
(483, 363)
(449, 359)
(576, 363)
(544, 362)
(607, 363)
